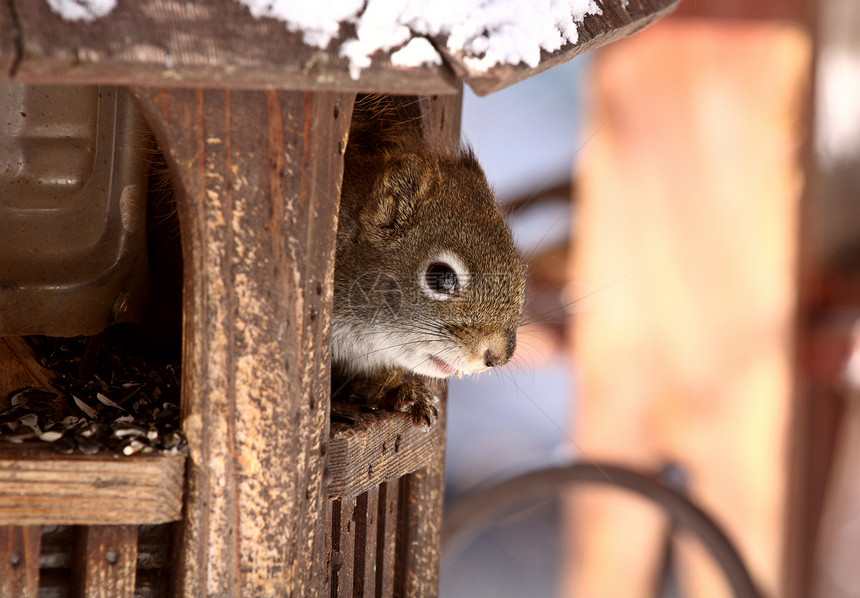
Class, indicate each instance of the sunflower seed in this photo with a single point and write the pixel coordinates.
(106, 401)
(89, 411)
(50, 436)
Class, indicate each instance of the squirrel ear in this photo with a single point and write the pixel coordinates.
(468, 158)
(405, 180)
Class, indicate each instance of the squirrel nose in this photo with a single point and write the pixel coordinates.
(490, 359)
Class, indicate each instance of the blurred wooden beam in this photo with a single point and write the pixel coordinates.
(689, 201)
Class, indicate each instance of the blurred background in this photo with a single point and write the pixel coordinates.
(688, 202)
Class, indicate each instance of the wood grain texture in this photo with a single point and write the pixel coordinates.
(615, 22)
(39, 486)
(379, 447)
(389, 471)
(218, 43)
(257, 176)
(19, 561)
(105, 561)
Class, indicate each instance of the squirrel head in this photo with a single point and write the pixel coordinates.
(427, 277)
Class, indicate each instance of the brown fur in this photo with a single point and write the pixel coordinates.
(403, 202)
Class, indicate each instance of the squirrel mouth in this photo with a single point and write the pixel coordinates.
(444, 366)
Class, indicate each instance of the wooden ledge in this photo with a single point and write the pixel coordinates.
(39, 486)
(379, 447)
(218, 43)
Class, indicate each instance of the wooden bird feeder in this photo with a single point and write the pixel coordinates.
(272, 499)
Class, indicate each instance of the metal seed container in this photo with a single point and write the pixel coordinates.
(73, 168)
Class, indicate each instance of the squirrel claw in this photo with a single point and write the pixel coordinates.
(419, 401)
(397, 393)
(423, 413)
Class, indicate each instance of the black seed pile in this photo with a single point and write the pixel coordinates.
(103, 399)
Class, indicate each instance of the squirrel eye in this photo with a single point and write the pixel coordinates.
(444, 277)
(441, 278)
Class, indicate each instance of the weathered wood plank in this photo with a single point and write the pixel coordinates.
(40, 486)
(257, 176)
(378, 447)
(105, 561)
(618, 19)
(19, 561)
(216, 43)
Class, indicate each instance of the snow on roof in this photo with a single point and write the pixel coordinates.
(485, 32)
(82, 10)
(416, 52)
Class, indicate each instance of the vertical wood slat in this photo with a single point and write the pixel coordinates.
(420, 536)
(386, 526)
(344, 574)
(366, 514)
(402, 536)
(257, 175)
(19, 560)
(323, 578)
(104, 561)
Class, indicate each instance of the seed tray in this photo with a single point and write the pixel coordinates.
(103, 398)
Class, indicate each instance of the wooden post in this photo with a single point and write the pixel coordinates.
(258, 176)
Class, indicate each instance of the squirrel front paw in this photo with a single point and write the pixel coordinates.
(397, 391)
(415, 398)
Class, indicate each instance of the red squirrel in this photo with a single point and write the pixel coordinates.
(428, 282)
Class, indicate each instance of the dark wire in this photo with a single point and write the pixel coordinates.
(467, 515)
